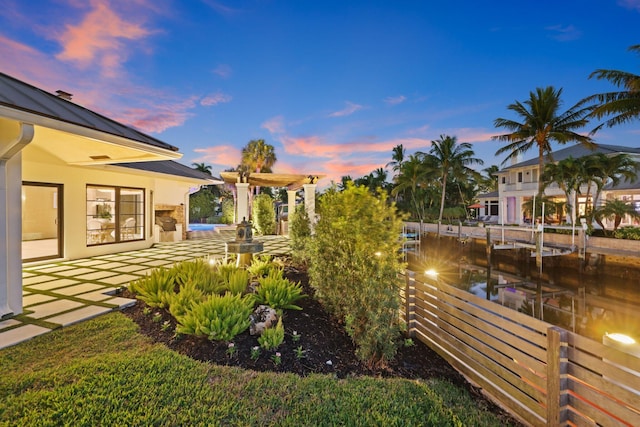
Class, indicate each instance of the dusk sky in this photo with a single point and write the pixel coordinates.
(332, 85)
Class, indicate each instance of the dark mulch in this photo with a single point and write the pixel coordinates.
(327, 349)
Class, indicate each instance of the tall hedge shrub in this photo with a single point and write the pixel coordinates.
(299, 233)
(263, 214)
(228, 213)
(354, 266)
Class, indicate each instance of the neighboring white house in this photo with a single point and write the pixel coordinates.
(518, 183)
(75, 184)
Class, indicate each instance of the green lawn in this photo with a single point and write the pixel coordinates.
(103, 372)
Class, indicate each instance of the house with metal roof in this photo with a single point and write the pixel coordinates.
(74, 184)
(518, 183)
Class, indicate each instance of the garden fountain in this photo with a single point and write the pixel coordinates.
(243, 245)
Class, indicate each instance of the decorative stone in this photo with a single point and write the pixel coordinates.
(262, 318)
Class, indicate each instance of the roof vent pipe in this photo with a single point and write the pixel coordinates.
(64, 95)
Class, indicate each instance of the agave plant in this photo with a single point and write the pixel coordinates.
(278, 292)
(156, 289)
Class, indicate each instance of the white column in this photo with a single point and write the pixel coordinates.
(291, 201)
(242, 202)
(291, 206)
(310, 202)
(14, 136)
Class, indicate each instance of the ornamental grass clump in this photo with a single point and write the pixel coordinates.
(219, 318)
(278, 293)
(155, 289)
(354, 266)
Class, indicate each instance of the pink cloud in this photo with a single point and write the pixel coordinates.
(216, 98)
(316, 146)
(274, 125)
(226, 156)
(348, 110)
(30, 65)
(98, 39)
(395, 100)
(156, 118)
(223, 70)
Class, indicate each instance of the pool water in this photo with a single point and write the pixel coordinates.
(202, 227)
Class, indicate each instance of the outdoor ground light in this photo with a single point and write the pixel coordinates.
(431, 273)
(622, 342)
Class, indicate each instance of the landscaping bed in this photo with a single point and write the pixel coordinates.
(322, 346)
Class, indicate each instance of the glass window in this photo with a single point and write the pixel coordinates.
(519, 176)
(114, 214)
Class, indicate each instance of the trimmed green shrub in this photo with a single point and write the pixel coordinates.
(354, 268)
(271, 338)
(220, 318)
(263, 214)
(631, 233)
(228, 211)
(155, 289)
(278, 293)
(300, 233)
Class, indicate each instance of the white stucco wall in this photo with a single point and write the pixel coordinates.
(39, 166)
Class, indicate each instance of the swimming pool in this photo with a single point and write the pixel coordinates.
(202, 227)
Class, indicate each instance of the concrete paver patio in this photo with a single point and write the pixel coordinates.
(67, 292)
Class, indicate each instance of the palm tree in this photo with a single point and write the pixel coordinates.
(414, 177)
(570, 174)
(202, 167)
(451, 158)
(603, 170)
(623, 106)
(614, 210)
(489, 181)
(397, 158)
(258, 155)
(542, 123)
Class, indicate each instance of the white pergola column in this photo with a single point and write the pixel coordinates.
(291, 203)
(310, 202)
(14, 136)
(242, 203)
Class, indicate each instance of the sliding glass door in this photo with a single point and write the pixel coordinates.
(41, 221)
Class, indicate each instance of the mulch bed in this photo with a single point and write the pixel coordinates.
(326, 347)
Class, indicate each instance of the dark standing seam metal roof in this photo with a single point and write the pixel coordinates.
(578, 151)
(22, 96)
(168, 167)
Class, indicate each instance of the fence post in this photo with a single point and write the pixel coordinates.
(410, 302)
(557, 341)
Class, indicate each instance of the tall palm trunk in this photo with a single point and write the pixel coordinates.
(444, 190)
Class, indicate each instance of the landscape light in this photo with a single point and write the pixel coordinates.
(432, 273)
(621, 338)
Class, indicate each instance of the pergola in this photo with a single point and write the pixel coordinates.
(293, 182)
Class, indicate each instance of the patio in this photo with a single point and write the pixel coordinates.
(62, 293)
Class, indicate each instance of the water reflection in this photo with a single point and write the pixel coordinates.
(591, 296)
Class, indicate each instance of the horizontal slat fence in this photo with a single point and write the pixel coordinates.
(543, 374)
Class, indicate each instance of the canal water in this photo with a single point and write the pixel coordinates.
(593, 295)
